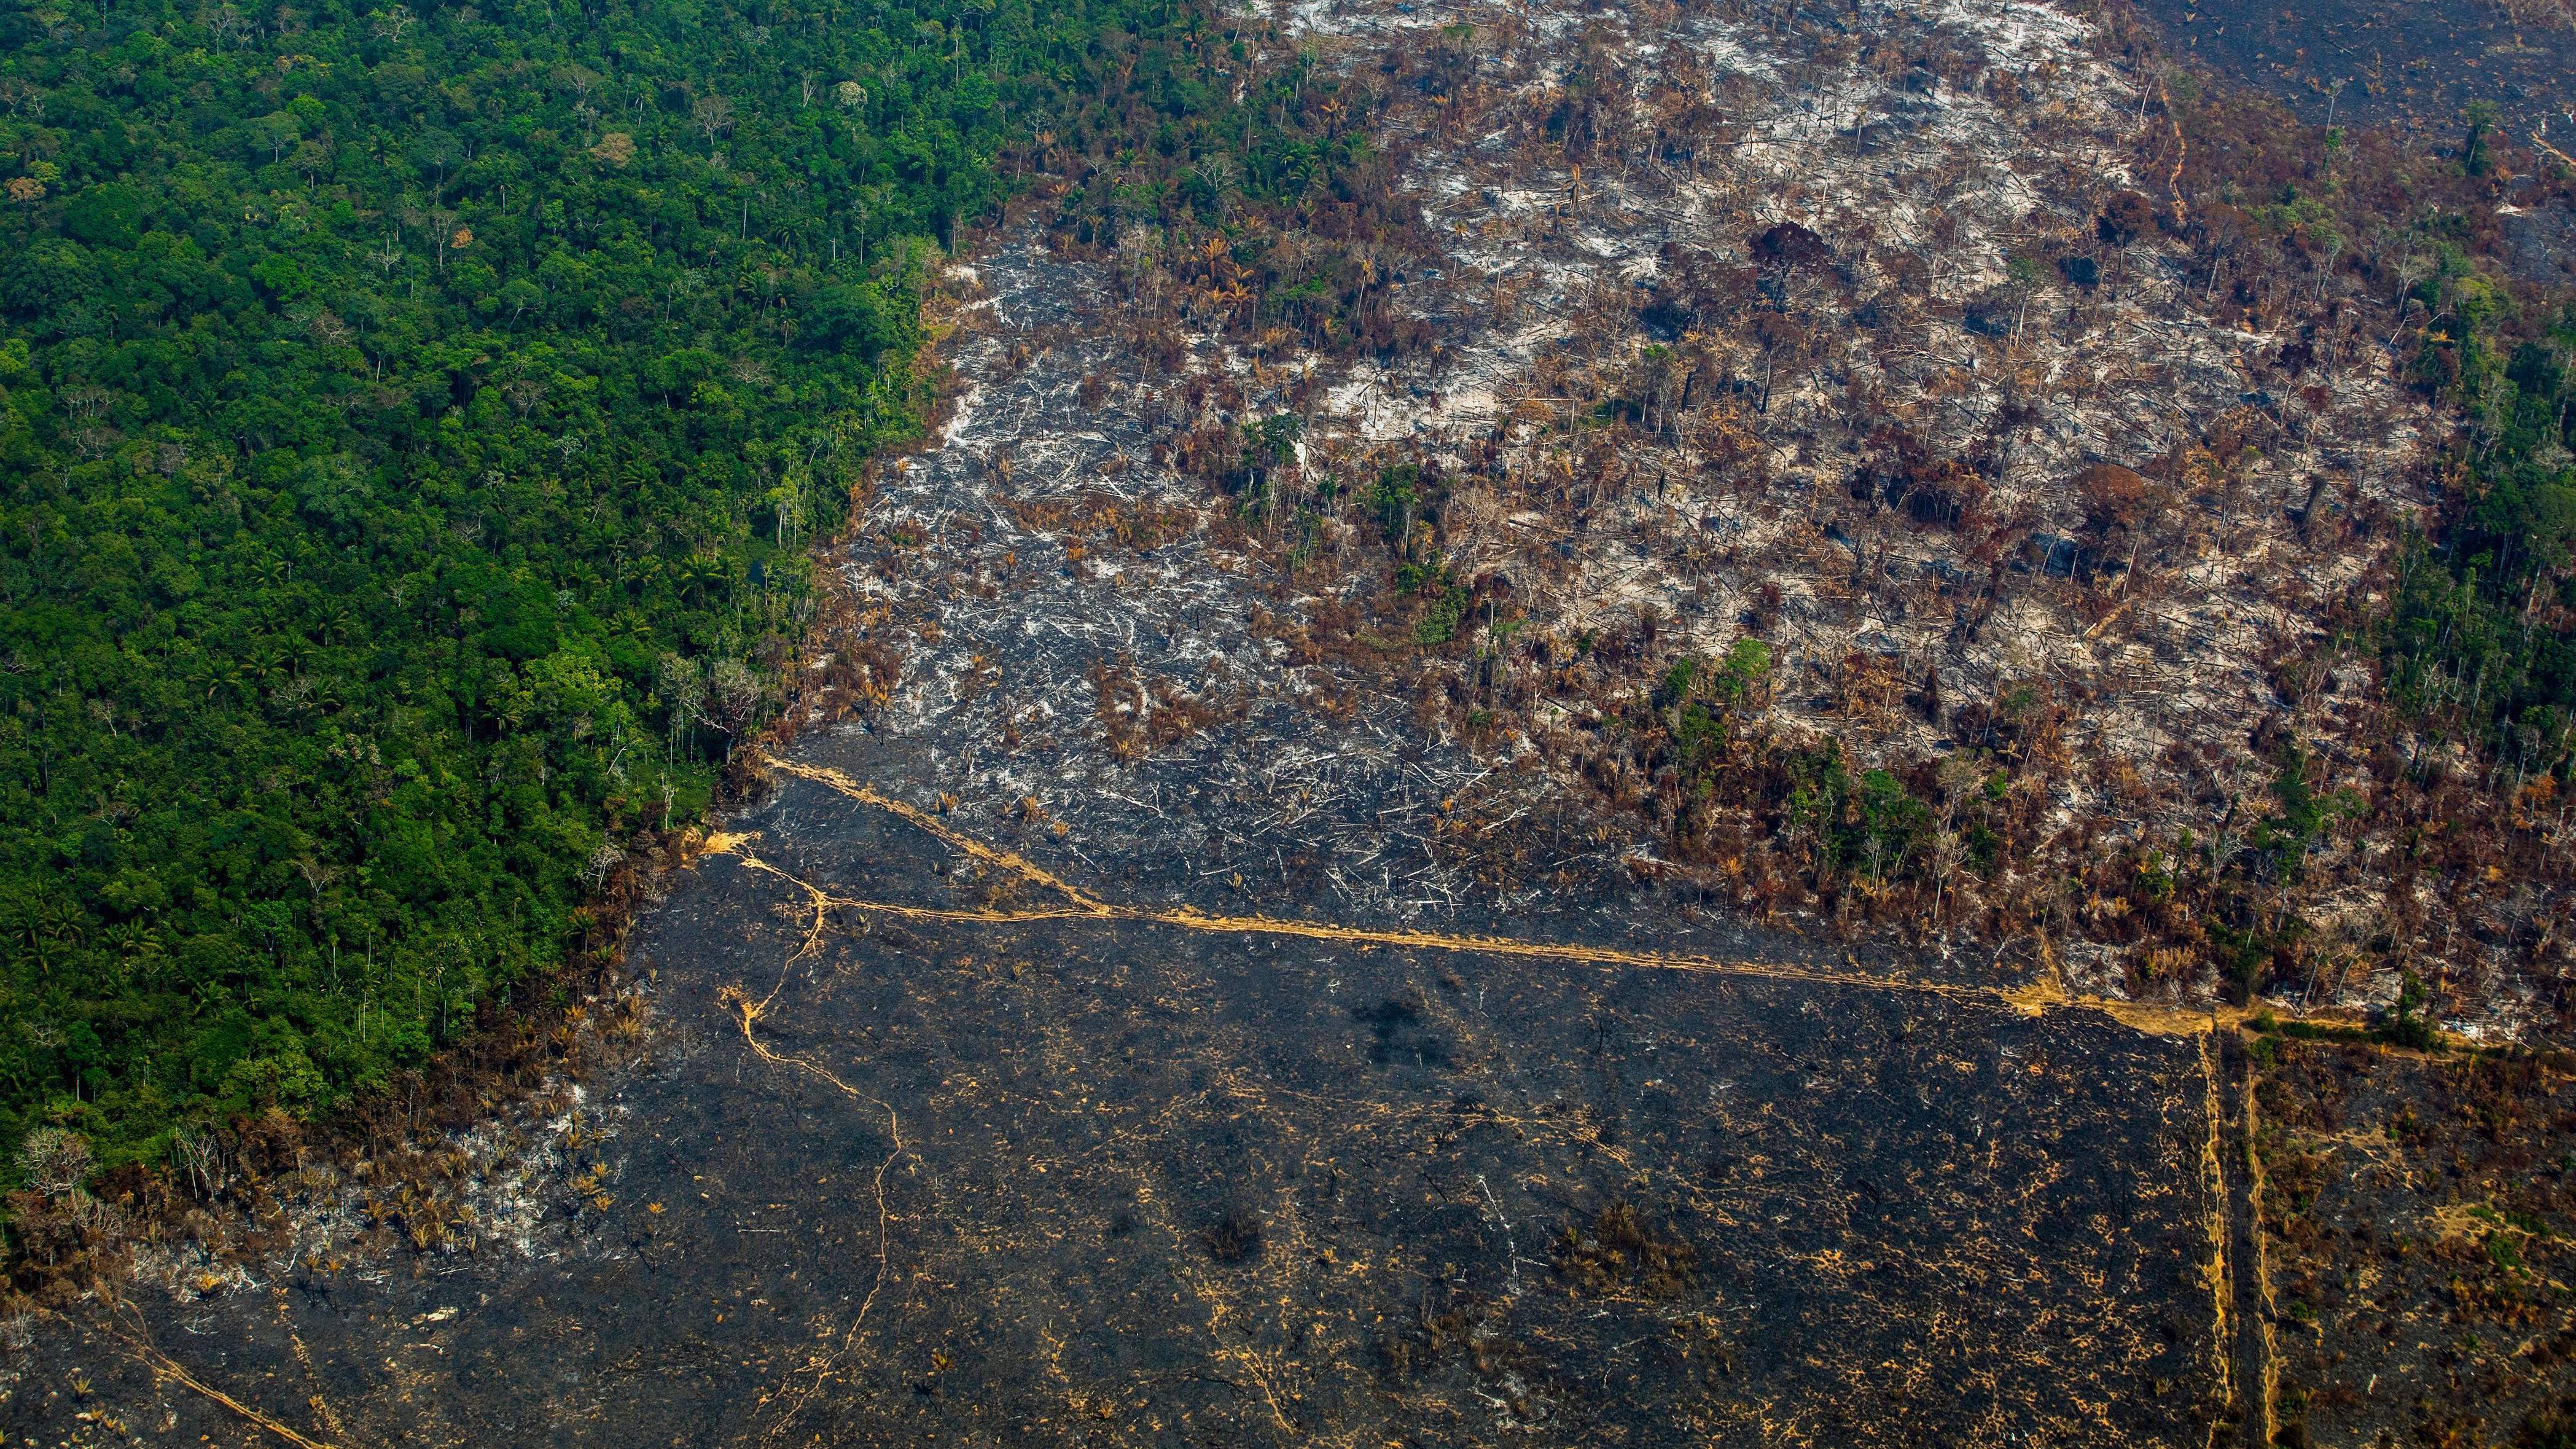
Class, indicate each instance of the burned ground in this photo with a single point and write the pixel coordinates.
(1067, 1181)
(2419, 63)
(2418, 1216)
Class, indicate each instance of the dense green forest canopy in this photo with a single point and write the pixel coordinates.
(2478, 643)
(409, 419)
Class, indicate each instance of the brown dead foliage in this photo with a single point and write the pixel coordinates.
(1619, 1252)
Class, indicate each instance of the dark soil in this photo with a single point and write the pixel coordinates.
(1078, 1182)
(2416, 63)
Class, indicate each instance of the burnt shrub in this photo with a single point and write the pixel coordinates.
(1620, 1250)
(1234, 1236)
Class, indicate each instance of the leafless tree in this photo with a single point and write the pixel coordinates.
(713, 115)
